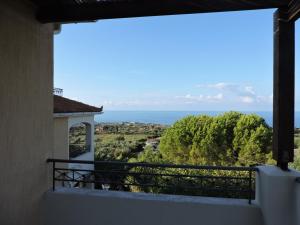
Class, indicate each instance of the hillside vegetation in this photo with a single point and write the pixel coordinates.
(124, 141)
(229, 139)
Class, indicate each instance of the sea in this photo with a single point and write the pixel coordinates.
(170, 117)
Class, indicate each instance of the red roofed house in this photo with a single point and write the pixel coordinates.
(77, 118)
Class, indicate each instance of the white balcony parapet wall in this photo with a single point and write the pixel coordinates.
(297, 199)
(277, 203)
(90, 207)
(278, 195)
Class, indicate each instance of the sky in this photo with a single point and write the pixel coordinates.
(217, 62)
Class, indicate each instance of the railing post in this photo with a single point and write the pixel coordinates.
(284, 89)
(250, 186)
(53, 175)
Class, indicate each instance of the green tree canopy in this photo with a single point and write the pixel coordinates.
(229, 139)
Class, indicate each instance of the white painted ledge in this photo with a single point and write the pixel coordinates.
(155, 197)
(91, 207)
(277, 194)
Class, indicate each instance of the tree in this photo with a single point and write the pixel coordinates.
(120, 138)
(229, 139)
(214, 144)
(296, 164)
(177, 143)
(252, 140)
(149, 155)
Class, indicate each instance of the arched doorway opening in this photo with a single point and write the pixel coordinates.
(80, 139)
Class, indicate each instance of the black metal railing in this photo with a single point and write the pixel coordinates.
(78, 149)
(58, 91)
(211, 181)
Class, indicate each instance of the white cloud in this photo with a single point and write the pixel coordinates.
(229, 87)
(261, 98)
(123, 103)
(250, 90)
(200, 98)
(219, 86)
(139, 102)
(108, 102)
(247, 99)
(218, 95)
(74, 98)
(243, 93)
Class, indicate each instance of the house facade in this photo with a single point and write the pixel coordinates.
(69, 116)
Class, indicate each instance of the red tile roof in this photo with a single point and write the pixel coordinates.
(65, 105)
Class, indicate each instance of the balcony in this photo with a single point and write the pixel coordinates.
(147, 194)
(139, 193)
(58, 91)
(189, 180)
(76, 150)
(211, 181)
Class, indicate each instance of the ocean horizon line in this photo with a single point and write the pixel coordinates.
(113, 110)
(170, 117)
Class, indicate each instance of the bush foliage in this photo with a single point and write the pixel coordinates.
(228, 139)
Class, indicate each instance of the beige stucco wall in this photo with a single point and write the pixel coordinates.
(61, 138)
(26, 119)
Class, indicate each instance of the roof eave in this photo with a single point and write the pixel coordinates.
(75, 114)
(135, 8)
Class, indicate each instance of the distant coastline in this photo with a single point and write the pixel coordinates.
(169, 117)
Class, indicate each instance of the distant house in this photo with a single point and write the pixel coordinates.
(70, 115)
(153, 142)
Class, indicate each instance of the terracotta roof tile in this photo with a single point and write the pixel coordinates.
(65, 105)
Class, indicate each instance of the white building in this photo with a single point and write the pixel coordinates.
(70, 114)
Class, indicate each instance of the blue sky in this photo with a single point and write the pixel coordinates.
(220, 61)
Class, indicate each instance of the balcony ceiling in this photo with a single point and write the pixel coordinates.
(89, 10)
